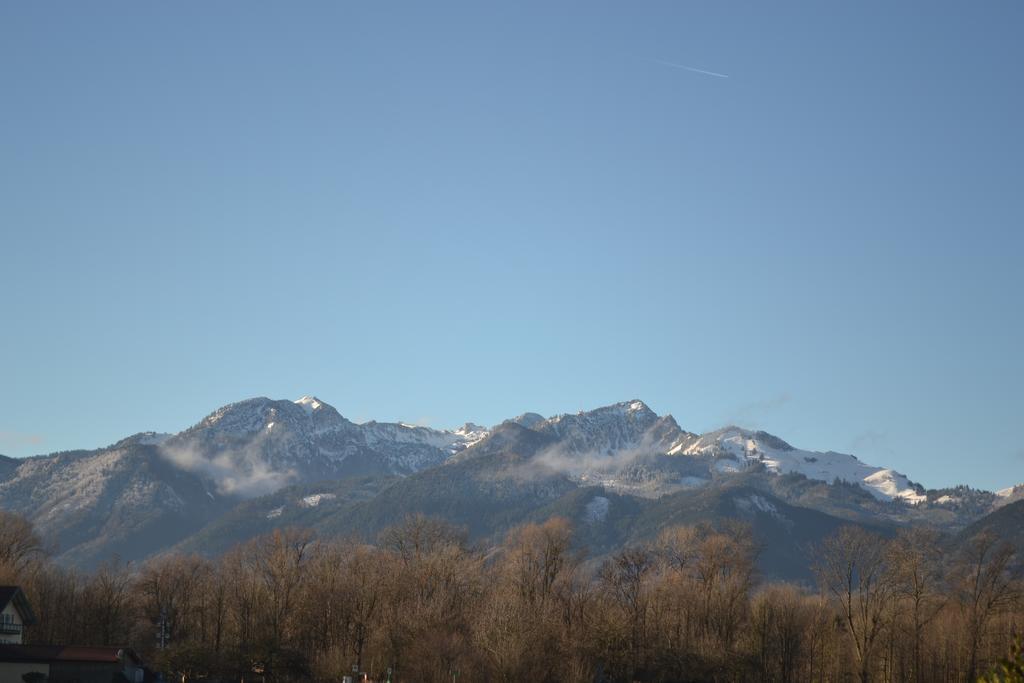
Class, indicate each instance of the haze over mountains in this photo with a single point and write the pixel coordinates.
(619, 472)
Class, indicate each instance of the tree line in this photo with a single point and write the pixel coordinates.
(426, 605)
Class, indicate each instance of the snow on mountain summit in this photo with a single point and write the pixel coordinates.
(619, 445)
(528, 420)
(628, 425)
(257, 445)
(1009, 495)
(309, 404)
(1008, 492)
(471, 433)
(740, 446)
(175, 484)
(254, 445)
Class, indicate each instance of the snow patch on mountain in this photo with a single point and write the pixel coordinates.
(729, 465)
(315, 499)
(756, 503)
(385, 433)
(309, 404)
(1009, 495)
(471, 433)
(888, 484)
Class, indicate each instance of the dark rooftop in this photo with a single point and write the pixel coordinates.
(64, 653)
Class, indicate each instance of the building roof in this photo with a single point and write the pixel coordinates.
(65, 653)
(9, 594)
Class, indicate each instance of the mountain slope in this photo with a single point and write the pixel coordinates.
(488, 507)
(302, 505)
(126, 500)
(1006, 523)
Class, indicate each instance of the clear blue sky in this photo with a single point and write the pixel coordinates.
(441, 212)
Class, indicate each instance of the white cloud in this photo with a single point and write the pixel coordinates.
(238, 471)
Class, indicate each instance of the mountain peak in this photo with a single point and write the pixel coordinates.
(762, 437)
(634, 408)
(310, 404)
(638, 406)
(528, 420)
(621, 427)
(470, 428)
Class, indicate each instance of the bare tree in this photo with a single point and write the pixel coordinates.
(20, 545)
(676, 547)
(984, 586)
(624, 578)
(419, 535)
(281, 559)
(915, 561)
(362, 596)
(854, 569)
(109, 604)
(284, 608)
(724, 569)
(781, 624)
(538, 555)
(169, 590)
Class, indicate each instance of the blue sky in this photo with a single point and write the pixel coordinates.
(441, 212)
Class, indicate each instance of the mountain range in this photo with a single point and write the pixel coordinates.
(619, 472)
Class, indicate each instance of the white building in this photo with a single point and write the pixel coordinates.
(15, 615)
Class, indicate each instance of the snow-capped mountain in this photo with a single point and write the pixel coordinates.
(614, 429)
(258, 445)
(628, 447)
(735, 449)
(151, 490)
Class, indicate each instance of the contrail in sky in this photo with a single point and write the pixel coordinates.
(692, 68)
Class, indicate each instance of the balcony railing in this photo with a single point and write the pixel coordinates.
(9, 627)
